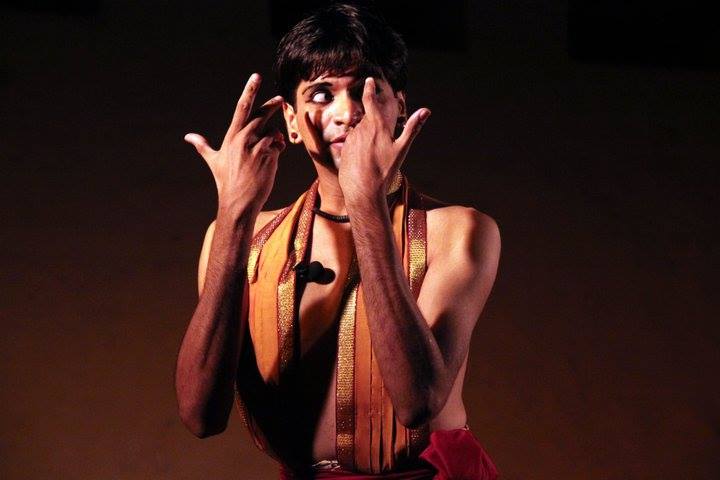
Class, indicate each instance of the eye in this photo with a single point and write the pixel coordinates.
(320, 96)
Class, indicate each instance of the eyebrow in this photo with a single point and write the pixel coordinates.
(329, 84)
(324, 84)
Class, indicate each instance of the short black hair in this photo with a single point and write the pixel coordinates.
(335, 39)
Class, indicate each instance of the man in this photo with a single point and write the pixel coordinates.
(340, 324)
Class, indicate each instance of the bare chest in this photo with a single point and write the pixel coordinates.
(331, 245)
(319, 308)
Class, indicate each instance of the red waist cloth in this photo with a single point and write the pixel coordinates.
(451, 455)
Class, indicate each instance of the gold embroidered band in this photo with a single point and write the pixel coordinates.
(344, 400)
(287, 308)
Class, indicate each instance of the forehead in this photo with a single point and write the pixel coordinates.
(349, 77)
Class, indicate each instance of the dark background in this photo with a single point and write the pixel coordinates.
(589, 133)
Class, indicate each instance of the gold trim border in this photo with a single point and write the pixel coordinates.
(259, 241)
(345, 389)
(286, 301)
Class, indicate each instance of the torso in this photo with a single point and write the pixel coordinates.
(319, 380)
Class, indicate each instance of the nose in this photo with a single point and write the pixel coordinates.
(347, 110)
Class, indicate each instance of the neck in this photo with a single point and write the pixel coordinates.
(332, 199)
(331, 196)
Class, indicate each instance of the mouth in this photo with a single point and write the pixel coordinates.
(337, 147)
(339, 139)
(337, 144)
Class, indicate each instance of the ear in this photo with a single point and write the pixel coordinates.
(291, 123)
(402, 106)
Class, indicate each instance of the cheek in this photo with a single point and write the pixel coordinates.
(389, 107)
(390, 114)
(316, 119)
(324, 118)
(312, 128)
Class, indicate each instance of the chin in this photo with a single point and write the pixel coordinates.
(332, 159)
(337, 161)
(335, 156)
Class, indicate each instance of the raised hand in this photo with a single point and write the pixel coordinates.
(370, 155)
(245, 165)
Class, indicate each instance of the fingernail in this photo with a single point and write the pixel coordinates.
(424, 115)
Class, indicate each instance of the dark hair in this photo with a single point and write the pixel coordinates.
(334, 39)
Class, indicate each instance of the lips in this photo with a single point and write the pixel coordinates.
(340, 138)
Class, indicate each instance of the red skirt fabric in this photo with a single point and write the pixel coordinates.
(451, 455)
(419, 474)
(457, 455)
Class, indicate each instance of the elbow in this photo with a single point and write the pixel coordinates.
(421, 413)
(203, 417)
(205, 431)
(426, 404)
(200, 426)
(415, 419)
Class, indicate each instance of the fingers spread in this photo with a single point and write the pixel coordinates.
(274, 141)
(254, 130)
(260, 117)
(200, 144)
(244, 105)
(412, 128)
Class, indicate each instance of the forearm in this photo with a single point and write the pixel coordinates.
(409, 358)
(209, 353)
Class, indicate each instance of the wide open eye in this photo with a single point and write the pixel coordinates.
(320, 96)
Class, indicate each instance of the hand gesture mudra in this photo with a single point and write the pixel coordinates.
(371, 156)
(244, 167)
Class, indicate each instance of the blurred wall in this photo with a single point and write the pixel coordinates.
(595, 356)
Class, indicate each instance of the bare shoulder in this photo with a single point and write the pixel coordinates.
(459, 229)
(262, 219)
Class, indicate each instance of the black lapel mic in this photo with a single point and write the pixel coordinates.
(314, 272)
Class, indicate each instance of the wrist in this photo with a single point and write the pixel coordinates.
(237, 214)
(367, 204)
(238, 204)
(363, 197)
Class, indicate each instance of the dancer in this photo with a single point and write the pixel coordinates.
(339, 325)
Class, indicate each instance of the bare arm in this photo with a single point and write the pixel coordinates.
(209, 353)
(244, 171)
(419, 365)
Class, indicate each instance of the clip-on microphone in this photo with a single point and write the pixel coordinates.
(314, 272)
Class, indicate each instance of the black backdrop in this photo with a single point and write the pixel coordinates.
(597, 354)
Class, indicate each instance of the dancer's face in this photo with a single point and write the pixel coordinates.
(328, 106)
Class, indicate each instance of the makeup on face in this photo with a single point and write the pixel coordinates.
(333, 96)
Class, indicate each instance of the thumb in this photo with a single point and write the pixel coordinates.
(411, 130)
(200, 144)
